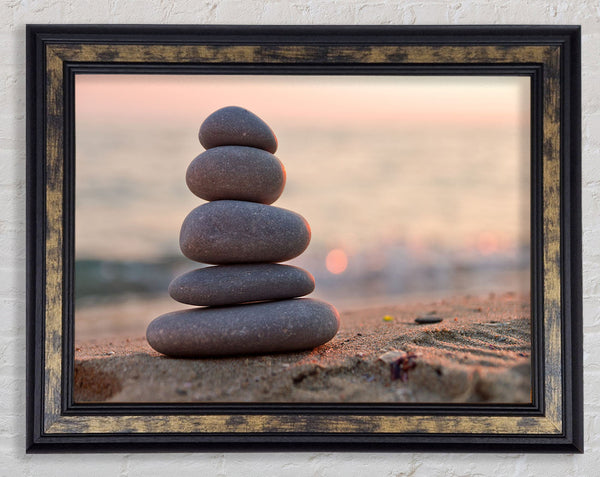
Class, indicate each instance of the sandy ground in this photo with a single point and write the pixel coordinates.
(480, 352)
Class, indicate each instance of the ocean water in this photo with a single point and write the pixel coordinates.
(410, 211)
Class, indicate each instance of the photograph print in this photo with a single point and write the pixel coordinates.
(302, 239)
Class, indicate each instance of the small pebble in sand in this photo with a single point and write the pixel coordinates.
(427, 320)
(390, 356)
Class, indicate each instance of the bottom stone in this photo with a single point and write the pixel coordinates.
(277, 326)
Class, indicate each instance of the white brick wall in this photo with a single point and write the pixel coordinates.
(14, 14)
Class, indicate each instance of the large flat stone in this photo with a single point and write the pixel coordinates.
(238, 173)
(235, 126)
(276, 326)
(234, 284)
(231, 231)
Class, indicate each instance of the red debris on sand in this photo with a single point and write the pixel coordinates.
(400, 367)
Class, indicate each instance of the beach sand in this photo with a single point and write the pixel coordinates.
(479, 353)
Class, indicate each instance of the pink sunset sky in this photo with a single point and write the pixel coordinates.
(298, 100)
(442, 159)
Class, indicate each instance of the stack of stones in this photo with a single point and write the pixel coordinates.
(247, 302)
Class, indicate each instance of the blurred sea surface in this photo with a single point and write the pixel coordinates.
(411, 210)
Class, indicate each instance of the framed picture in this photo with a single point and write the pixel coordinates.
(370, 236)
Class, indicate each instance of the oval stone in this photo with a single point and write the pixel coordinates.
(238, 173)
(234, 284)
(233, 231)
(274, 326)
(235, 126)
(427, 320)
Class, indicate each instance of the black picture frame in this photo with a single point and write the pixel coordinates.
(548, 55)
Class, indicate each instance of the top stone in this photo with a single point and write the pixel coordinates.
(235, 126)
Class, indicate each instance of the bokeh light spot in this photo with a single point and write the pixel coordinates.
(336, 261)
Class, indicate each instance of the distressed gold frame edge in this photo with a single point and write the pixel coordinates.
(57, 54)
